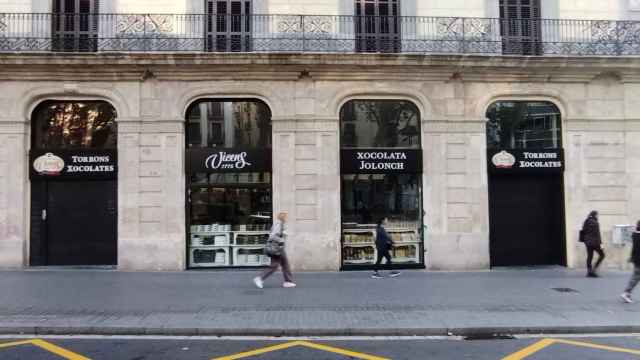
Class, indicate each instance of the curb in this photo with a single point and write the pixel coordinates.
(476, 333)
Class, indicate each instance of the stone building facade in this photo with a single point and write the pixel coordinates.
(597, 98)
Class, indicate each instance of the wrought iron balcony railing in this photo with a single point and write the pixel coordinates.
(314, 34)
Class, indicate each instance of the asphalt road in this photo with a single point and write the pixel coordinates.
(141, 348)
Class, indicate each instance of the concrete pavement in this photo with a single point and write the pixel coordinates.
(339, 304)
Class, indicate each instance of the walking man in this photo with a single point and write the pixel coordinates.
(275, 249)
(593, 242)
(635, 259)
(384, 243)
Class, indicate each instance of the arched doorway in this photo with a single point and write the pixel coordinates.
(381, 177)
(229, 192)
(525, 162)
(73, 172)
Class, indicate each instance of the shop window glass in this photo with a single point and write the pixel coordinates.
(523, 125)
(380, 124)
(74, 125)
(229, 124)
(229, 213)
(373, 127)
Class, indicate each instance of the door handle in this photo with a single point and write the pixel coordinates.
(44, 215)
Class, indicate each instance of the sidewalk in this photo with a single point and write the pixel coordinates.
(339, 304)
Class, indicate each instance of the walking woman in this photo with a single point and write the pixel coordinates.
(275, 249)
(593, 242)
(384, 243)
(635, 259)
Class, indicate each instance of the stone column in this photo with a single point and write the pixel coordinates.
(151, 195)
(14, 181)
(455, 195)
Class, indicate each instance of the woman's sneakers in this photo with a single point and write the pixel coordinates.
(376, 275)
(394, 273)
(289, 284)
(626, 297)
(258, 281)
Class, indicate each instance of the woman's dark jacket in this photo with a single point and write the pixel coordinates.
(383, 240)
(635, 250)
(591, 232)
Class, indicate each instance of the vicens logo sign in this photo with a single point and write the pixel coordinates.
(223, 160)
(503, 160)
(48, 164)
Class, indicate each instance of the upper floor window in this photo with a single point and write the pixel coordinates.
(74, 124)
(520, 27)
(228, 25)
(229, 124)
(377, 26)
(380, 124)
(523, 125)
(75, 25)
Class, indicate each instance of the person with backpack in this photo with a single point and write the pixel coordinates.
(635, 259)
(275, 249)
(384, 244)
(590, 235)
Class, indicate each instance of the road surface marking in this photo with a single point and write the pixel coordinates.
(47, 346)
(302, 343)
(535, 347)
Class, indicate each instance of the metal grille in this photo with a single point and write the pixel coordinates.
(520, 27)
(75, 25)
(228, 25)
(377, 26)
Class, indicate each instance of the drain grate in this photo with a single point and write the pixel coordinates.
(489, 337)
(565, 290)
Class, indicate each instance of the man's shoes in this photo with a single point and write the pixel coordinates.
(394, 273)
(592, 274)
(626, 297)
(258, 281)
(289, 284)
(376, 276)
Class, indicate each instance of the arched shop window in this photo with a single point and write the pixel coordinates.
(523, 125)
(381, 171)
(229, 207)
(73, 171)
(525, 163)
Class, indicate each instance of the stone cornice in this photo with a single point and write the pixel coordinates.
(329, 67)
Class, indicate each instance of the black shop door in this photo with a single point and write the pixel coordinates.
(74, 223)
(526, 219)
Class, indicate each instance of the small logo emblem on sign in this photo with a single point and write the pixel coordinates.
(48, 164)
(503, 160)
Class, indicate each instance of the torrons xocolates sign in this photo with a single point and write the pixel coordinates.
(380, 161)
(73, 164)
(212, 160)
(525, 160)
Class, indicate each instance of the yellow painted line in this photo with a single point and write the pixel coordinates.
(535, 347)
(599, 347)
(306, 344)
(54, 349)
(339, 351)
(15, 343)
(259, 351)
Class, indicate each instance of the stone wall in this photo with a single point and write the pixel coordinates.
(305, 92)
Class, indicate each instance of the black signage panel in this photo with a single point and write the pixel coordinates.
(380, 161)
(525, 161)
(73, 164)
(213, 160)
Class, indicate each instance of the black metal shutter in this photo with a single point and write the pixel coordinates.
(377, 25)
(228, 25)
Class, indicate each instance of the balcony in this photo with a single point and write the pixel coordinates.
(23, 32)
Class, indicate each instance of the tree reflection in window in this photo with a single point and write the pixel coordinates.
(380, 124)
(228, 124)
(67, 125)
(523, 125)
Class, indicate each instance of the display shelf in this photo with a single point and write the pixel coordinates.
(358, 244)
(209, 256)
(210, 238)
(250, 256)
(363, 261)
(404, 259)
